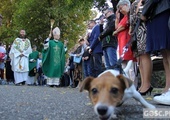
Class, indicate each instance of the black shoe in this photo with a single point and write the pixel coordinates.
(23, 83)
(18, 84)
(147, 91)
(35, 84)
(57, 86)
(72, 86)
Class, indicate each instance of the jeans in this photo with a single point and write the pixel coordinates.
(86, 67)
(95, 64)
(110, 56)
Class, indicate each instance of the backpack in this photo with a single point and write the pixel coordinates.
(65, 80)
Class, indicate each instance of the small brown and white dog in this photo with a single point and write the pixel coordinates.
(109, 90)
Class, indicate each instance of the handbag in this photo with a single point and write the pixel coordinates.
(134, 46)
(77, 59)
(133, 39)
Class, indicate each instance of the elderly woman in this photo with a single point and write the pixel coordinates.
(122, 30)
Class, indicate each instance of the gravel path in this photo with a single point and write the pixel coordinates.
(45, 103)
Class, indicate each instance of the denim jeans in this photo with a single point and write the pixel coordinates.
(95, 64)
(86, 67)
(110, 56)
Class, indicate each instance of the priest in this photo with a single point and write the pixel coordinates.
(19, 53)
(53, 58)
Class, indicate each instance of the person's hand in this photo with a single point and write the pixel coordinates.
(139, 4)
(87, 48)
(50, 35)
(86, 58)
(32, 60)
(99, 38)
(114, 33)
(65, 42)
(143, 18)
(117, 14)
(130, 30)
(90, 51)
(77, 55)
(21, 55)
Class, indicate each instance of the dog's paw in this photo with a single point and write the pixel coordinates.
(151, 107)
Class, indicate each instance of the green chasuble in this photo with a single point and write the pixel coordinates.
(32, 64)
(53, 59)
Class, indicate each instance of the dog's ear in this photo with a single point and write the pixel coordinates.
(125, 80)
(85, 85)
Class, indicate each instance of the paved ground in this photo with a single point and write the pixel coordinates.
(45, 103)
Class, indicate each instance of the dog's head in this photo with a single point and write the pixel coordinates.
(106, 92)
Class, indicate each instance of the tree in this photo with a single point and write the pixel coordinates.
(7, 8)
(34, 16)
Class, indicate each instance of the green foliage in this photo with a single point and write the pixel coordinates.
(34, 16)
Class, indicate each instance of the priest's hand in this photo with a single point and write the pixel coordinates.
(21, 55)
(50, 35)
(90, 51)
(65, 42)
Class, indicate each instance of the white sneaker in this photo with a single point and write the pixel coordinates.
(163, 99)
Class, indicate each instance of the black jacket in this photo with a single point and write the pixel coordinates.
(71, 63)
(106, 36)
(86, 54)
(155, 7)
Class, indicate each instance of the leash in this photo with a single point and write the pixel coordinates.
(118, 65)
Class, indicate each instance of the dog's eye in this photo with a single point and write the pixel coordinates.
(114, 90)
(94, 90)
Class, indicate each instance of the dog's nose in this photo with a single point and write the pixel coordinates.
(102, 110)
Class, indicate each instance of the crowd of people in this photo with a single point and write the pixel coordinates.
(145, 23)
(25, 65)
(137, 23)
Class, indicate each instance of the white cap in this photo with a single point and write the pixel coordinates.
(56, 31)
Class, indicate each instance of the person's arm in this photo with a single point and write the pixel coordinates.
(46, 42)
(122, 25)
(108, 30)
(148, 7)
(83, 47)
(119, 29)
(117, 18)
(134, 15)
(65, 45)
(95, 37)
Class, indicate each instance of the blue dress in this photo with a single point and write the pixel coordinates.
(158, 33)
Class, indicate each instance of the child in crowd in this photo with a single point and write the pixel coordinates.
(40, 76)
